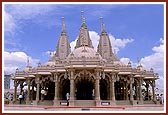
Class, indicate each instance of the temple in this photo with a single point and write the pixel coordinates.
(92, 78)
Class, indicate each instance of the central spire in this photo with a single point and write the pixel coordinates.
(83, 37)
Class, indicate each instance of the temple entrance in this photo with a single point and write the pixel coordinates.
(103, 89)
(84, 90)
(64, 88)
(84, 87)
(120, 89)
(49, 90)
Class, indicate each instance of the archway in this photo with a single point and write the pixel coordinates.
(120, 89)
(65, 88)
(84, 87)
(104, 88)
(84, 90)
(50, 90)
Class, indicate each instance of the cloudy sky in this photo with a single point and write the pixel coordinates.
(136, 32)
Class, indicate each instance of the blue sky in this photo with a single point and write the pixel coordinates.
(136, 31)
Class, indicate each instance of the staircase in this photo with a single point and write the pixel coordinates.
(46, 102)
(149, 102)
(85, 103)
(123, 102)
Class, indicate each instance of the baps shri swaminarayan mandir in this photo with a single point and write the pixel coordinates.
(92, 78)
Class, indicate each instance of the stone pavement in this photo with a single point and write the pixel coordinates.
(32, 108)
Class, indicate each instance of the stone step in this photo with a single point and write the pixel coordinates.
(123, 102)
(149, 102)
(46, 102)
(85, 103)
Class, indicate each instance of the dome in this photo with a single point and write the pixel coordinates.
(28, 68)
(86, 52)
(50, 63)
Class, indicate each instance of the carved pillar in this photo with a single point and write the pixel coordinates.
(32, 92)
(140, 92)
(140, 89)
(28, 92)
(72, 94)
(97, 88)
(37, 89)
(72, 88)
(97, 95)
(113, 88)
(153, 90)
(56, 90)
(131, 91)
(56, 87)
(15, 90)
(126, 89)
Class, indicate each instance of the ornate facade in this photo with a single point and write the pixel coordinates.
(93, 78)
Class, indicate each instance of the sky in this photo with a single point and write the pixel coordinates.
(136, 32)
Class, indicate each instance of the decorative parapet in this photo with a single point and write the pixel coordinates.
(151, 75)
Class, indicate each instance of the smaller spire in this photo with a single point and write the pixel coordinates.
(129, 63)
(17, 70)
(102, 24)
(39, 64)
(27, 61)
(63, 25)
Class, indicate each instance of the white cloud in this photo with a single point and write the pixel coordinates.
(118, 43)
(15, 60)
(50, 53)
(156, 60)
(160, 83)
(162, 40)
(73, 44)
(94, 38)
(16, 16)
(9, 23)
(28, 11)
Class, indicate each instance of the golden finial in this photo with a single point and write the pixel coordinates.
(102, 24)
(82, 17)
(63, 25)
(101, 21)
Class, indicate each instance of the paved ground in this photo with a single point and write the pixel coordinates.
(32, 108)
